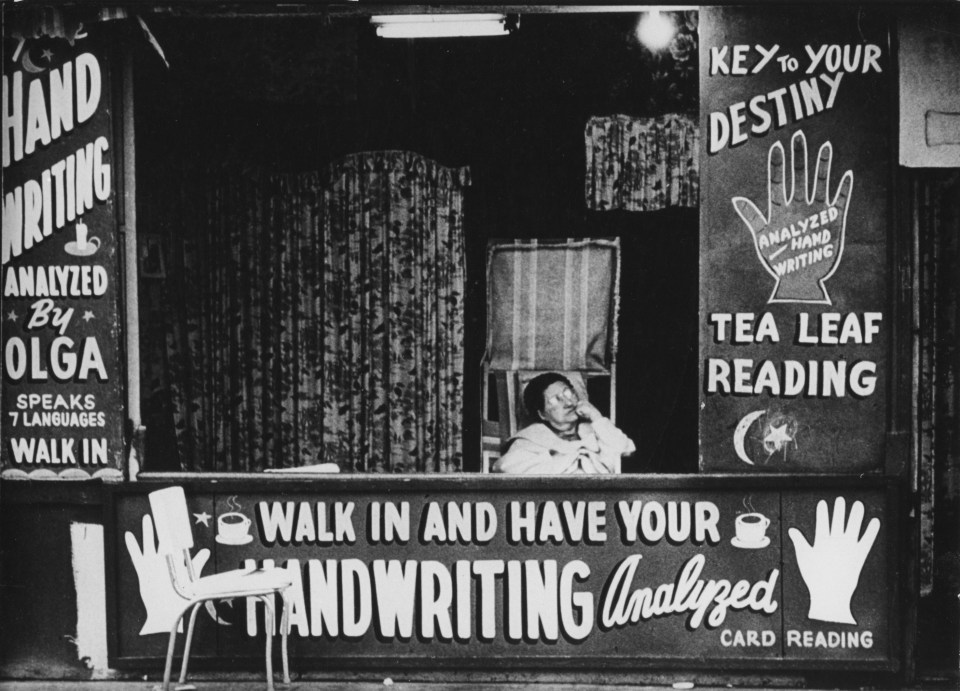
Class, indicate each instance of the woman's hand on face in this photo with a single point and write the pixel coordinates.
(588, 411)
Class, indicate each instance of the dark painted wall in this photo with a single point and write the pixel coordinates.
(931, 201)
(38, 599)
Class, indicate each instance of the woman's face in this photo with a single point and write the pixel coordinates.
(560, 406)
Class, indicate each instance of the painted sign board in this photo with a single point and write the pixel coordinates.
(531, 573)
(61, 394)
(793, 227)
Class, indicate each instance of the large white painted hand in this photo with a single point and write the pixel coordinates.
(162, 602)
(831, 566)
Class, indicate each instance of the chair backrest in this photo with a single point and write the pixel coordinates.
(552, 304)
(172, 520)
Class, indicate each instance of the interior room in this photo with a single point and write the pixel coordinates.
(244, 101)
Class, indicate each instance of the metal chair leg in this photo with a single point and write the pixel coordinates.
(284, 633)
(170, 646)
(271, 623)
(189, 641)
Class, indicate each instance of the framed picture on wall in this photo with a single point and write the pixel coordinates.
(152, 264)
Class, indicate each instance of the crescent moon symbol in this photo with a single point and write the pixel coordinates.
(212, 611)
(741, 433)
(29, 65)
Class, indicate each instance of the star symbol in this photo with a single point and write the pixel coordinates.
(88, 315)
(201, 517)
(12, 316)
(47, 55)
(776, 438)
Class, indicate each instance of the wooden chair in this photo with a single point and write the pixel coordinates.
(172, 520)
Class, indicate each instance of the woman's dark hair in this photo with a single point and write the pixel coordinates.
(533, 393)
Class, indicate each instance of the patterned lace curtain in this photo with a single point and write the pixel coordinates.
(319, 318)
(642, 164)
(241, 353)
(392, 306)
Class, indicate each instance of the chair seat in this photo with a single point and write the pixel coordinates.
(241, 581)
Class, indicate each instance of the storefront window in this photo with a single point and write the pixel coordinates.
(322, 199)
(480, 263)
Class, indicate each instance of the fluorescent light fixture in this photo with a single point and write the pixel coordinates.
(439, 25)
(655, 31)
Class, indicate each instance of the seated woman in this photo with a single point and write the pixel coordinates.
(573, 436)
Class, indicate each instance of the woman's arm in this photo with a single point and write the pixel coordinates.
(611, 437)
(613, 442)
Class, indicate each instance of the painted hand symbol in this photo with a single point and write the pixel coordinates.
(831, 566)
(162, 602)
(800, 239)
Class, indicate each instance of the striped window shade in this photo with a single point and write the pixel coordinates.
(552, 304)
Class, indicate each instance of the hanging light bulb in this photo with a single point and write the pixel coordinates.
(655, 30)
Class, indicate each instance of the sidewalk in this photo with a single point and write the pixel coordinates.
(389, 685)
(354, 686)
(201, 685)
(340, 686)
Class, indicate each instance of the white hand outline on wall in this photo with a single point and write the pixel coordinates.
(791, 205)
(161, 601)
(831, 566)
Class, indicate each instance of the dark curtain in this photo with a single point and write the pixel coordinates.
(318, 318)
